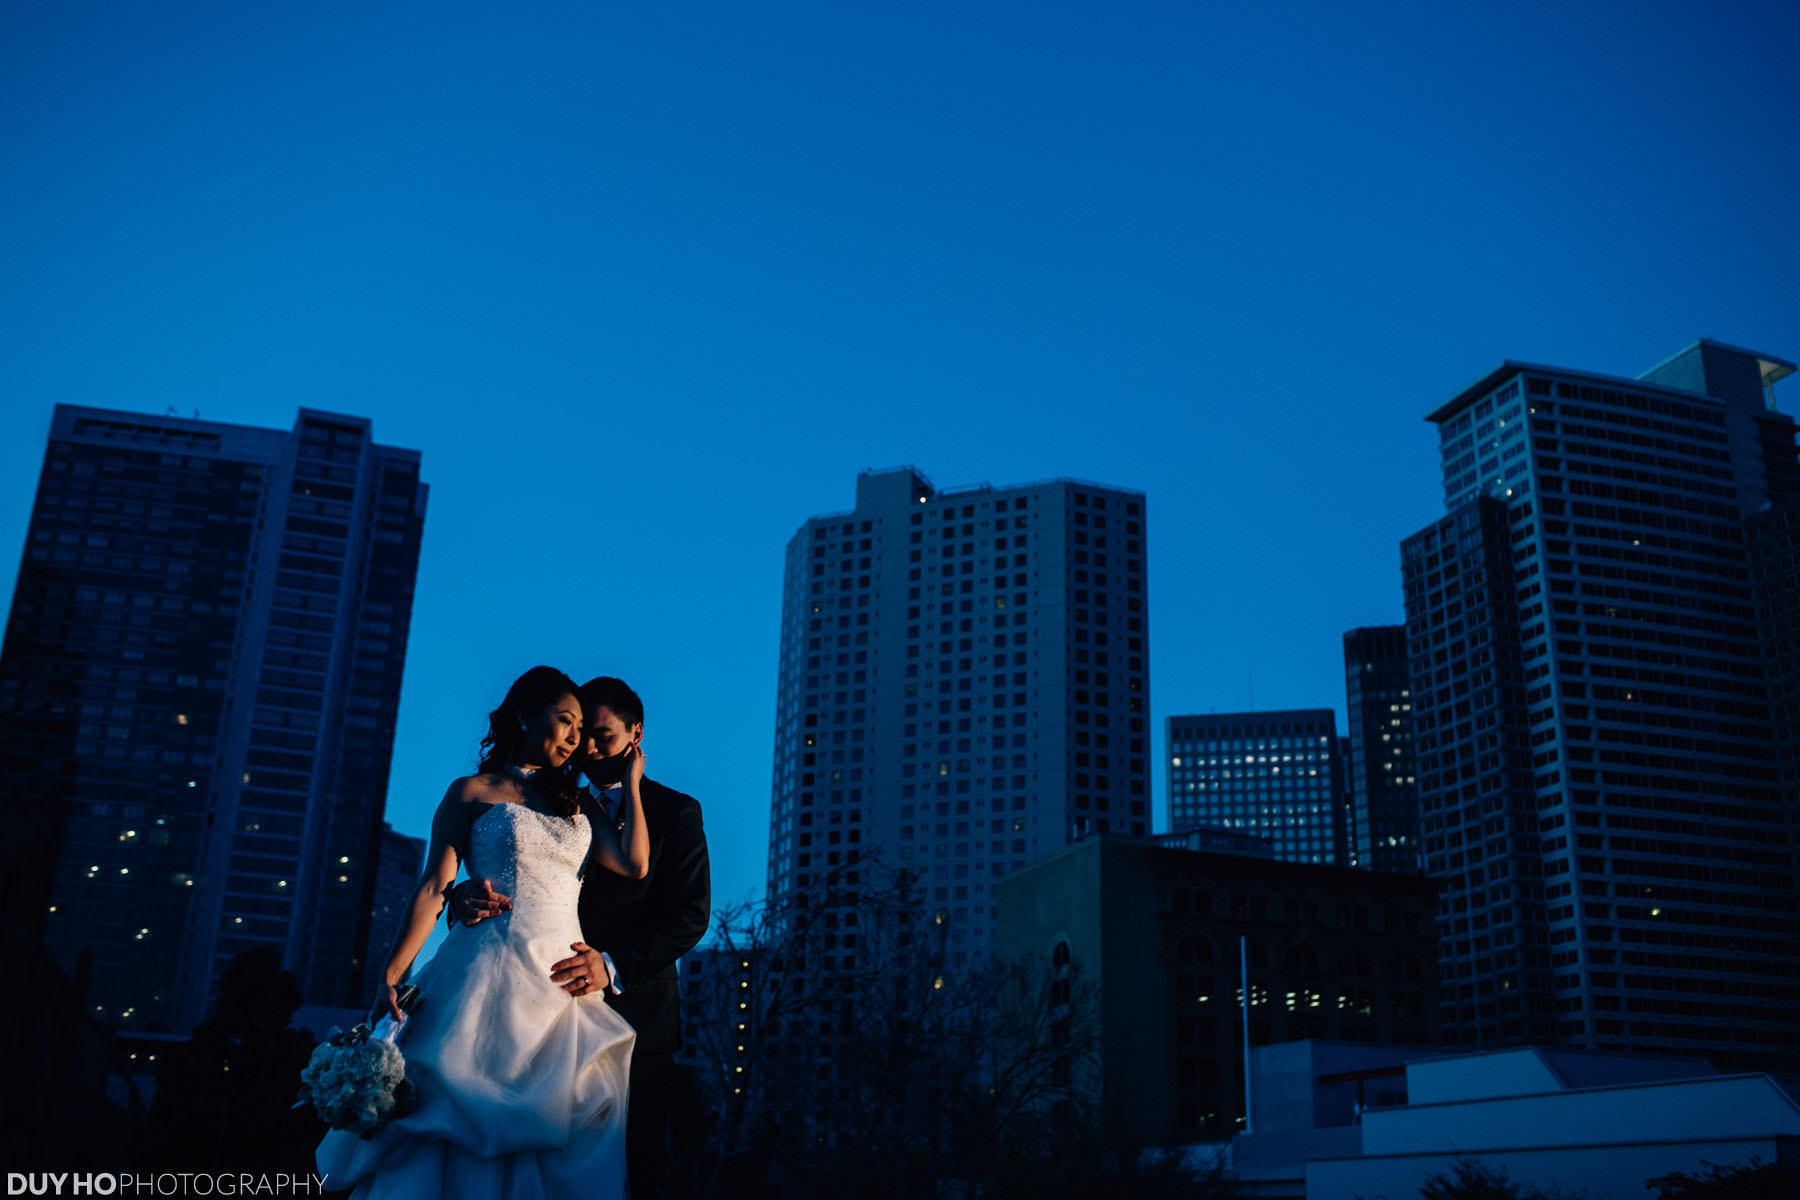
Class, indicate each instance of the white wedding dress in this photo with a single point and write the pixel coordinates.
(520, 1087)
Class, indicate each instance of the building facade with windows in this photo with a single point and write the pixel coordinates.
(397, 874)
(200, 671)
(964, 688)
(1775, 563)
(1597, 760)
(1275, 775)
(1160, 939)
(1381, 794)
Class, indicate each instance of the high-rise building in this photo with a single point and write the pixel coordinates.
(198, 683)
(1774, 543)
(1272, 774)
(1596, 756)
(964, 687)
(1383, 798)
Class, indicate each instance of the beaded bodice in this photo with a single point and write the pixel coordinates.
(534, 857)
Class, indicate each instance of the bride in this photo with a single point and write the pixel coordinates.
(520, 1080)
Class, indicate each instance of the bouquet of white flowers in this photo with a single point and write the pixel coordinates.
(357, 1080)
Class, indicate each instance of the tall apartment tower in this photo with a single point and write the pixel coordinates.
(964, 687)
(1276, 775)
(1596, 755)
(197, 693)
(1382, 794)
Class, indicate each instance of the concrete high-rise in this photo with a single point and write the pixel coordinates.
(1379, 785)
(964, 687)
(198, 687)
(1274, 774)
(1596, 755)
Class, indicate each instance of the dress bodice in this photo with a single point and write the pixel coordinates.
(534, 857)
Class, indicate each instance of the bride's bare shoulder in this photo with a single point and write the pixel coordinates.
(487, 788)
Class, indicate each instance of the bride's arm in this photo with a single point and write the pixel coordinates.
(449, 836)
(627, 851)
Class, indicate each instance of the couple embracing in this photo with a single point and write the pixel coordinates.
(553, 1001)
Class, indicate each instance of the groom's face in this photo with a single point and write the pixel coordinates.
(603, 748)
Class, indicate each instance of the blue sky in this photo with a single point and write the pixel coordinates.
(648, 286)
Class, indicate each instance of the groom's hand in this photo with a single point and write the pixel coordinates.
(474, 900)
(582, 974)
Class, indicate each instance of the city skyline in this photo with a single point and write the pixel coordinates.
(994, 243)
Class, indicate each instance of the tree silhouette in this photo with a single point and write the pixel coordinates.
(1751, 1180)
(1472, 1179)
(860, 1065)
(225, 1098)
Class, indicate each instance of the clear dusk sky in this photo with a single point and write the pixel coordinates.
(649, 284)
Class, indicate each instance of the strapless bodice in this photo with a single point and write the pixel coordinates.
(534, 857)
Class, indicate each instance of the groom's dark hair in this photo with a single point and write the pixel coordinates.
(615, 694)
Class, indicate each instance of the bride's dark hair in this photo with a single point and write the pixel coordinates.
(526, 700)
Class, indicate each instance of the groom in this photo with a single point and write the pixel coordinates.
(635, 928)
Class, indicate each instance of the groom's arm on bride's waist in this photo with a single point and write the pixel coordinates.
(673, 915)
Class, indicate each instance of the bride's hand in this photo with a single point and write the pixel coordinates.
(392, 1001)
(634, 764)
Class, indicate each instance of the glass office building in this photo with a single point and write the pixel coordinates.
(1275, 775)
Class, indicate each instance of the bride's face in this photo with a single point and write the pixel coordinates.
(555, 734)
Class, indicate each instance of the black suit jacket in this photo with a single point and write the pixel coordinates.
(646, 924)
